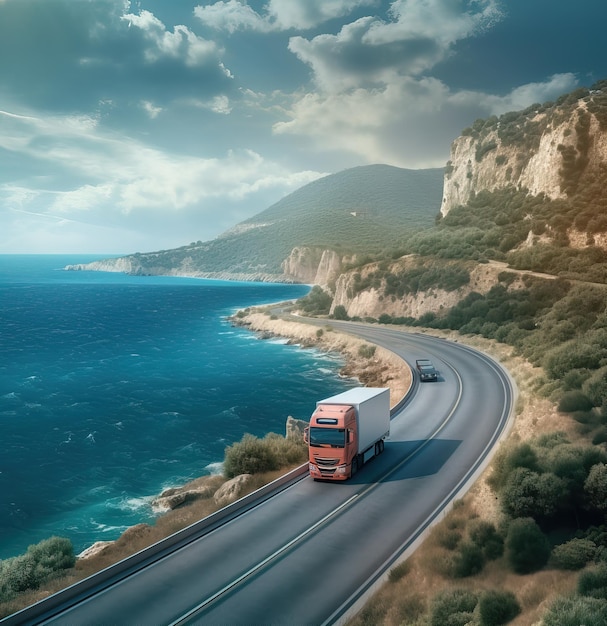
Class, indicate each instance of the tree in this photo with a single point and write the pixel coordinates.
(595, 486)
(527, 548)
(340, 313)
(528, 493)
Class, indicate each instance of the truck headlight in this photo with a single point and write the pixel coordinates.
(340, 470)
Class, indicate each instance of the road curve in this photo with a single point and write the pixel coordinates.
(312, 553)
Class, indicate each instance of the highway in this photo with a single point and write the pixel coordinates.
(312, 553)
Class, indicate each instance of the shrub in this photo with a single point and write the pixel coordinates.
(486, 537)
(468, 560)
(286, 451)
(53, 554)
(527, 493)
(593, 582)
(399, 571)
(575, 611)
(497, 607)
(40, 563)
(317, 302)
(249, 456)
(595, 486)
(573, 401)
(527, 548)
(573, 555)
(340, 313)
(453, 608)
(366, 351)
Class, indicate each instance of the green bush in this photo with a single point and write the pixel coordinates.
(531, 494)
(39, 564)
(399, 571)
(340, 313)
(497, 607)
(573, 554)
(485, 536)
(510, 459)
(527, 548)
(453, 608)
(593, 582)
(595, 486)
(317, 302)
(286, 451)
(573, 401)
(468, 560)
(576, 611)
(249, 456)
(366, 351)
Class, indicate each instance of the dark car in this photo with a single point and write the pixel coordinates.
(426, 370)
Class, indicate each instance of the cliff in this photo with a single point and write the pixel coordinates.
(315, 266)
(547, 149)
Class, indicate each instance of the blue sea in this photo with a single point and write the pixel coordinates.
(114, 387)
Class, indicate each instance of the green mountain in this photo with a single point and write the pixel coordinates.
(362, 210)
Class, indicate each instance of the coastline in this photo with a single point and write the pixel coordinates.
(377, 367)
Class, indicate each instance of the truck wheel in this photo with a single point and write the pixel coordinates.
(354, 468)
(381, 446)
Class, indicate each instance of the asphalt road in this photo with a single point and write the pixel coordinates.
(312, 553)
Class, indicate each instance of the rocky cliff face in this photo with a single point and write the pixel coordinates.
(372, 301)
(535, 150)
(315, 266)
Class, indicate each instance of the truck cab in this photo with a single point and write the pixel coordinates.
(331, 438)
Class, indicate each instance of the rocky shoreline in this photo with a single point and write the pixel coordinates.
(372, 365)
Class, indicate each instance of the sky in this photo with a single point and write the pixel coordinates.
(139, 126)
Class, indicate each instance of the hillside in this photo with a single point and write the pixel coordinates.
(358, 211)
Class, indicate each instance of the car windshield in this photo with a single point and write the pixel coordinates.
(333, 437)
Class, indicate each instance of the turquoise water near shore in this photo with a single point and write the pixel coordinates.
(114, 387)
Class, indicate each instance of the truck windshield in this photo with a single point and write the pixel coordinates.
(334, 437)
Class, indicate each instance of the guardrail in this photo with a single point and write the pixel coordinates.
(77, 592)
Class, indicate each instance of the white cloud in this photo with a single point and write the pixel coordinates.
(231, 16)
(302, 14)
(279, 15)
(443, 21)
(372, 51)
(151, 109)
(526, 95)
(182, 43)
(406, 122)
(98, 179)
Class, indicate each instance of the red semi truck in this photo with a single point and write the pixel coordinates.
(346, 431)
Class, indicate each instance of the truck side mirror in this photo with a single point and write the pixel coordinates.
(305, 434)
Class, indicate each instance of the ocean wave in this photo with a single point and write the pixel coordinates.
(215, 469)
(130, 504)
(104, 528)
